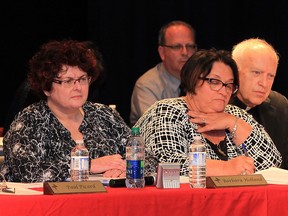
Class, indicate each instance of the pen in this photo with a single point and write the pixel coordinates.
(245, 150)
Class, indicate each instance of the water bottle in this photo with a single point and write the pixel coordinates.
(135, 155)
(79, 168)
(197, 164)
(112, 106)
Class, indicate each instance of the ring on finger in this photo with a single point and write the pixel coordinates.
(203, 121)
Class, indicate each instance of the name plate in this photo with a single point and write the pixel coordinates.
(235, 181)
(54, 188)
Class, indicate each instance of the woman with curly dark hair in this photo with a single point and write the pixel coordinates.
(38, 143)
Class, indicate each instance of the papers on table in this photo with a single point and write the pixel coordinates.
(184, 179)
(275, 175)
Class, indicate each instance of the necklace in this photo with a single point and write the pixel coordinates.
(220, 150)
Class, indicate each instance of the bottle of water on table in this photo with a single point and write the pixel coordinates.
(135, 155)
(197, 164)
(79, 168)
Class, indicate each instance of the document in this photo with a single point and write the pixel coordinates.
(274, 175)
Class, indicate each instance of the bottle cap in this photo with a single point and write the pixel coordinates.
(113, 106)
(135, 130)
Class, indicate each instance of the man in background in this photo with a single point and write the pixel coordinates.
(176, 43)
(257, 62)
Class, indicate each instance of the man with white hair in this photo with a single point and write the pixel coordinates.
(257, 63)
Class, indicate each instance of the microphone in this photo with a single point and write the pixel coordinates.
(149, 180)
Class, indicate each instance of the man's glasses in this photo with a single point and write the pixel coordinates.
(216, 85)
(83, 80)
(180, 47)
(3, 186)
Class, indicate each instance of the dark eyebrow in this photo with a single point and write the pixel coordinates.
(70, 78)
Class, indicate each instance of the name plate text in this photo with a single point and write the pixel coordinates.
(53, 188)
(235, 181)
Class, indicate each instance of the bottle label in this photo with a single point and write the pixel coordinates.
(134, 169)
(197, 158)
(79, 163)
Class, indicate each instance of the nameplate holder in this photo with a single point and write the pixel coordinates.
(54, 188)
(235, 181)
(168, 175)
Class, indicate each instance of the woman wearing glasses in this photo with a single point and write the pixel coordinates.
(38, 143)
(210, 78)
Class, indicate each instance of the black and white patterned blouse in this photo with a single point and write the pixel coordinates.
(167, 133)
(37, 146)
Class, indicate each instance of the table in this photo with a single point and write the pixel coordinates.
(256, 200)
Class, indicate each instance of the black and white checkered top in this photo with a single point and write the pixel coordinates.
(167, 132)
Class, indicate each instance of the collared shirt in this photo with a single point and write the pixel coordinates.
(37, 146)
(154, 85)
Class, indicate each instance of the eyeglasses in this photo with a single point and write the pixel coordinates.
(83, 80)
(216, 85)
(3, 186)
(180, 47)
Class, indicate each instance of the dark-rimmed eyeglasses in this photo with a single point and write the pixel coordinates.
(83, 80)
(180, 47)
(216, 85)
(3, 186)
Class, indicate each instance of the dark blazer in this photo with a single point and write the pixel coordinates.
(273, 115)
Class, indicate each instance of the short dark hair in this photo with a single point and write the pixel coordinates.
(162, 31)
(200, 65)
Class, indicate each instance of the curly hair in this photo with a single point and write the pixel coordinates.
(48, 62)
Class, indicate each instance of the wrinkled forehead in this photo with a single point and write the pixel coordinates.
(259, 54)
(179, 32)
(260, 51)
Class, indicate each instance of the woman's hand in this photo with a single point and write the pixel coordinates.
(113, 173)
(108, 163)
(212, 121)
(221, 121)
(241, 165)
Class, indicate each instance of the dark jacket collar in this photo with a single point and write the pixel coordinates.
(235, 100)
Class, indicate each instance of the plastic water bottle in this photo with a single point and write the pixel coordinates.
(113, 106)
(135, 155)
(197, 164)
(79, 168)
